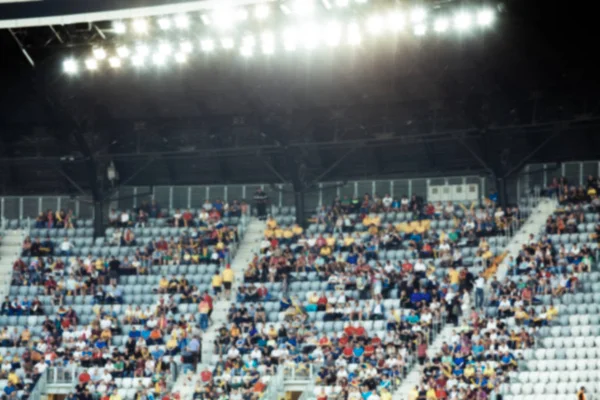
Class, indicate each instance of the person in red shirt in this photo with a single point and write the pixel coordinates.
(348, 351)
(360, 331)
(324, 341)
(349, 330)
(206, 375)
(407, 267)
(209, 300)
(187, 218)
(84, 377)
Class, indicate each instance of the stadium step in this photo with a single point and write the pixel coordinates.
(186, 383)
(10, 250)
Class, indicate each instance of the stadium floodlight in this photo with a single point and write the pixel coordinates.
(70, 66)
(182, 21)
(123, 51)
(137, 60)
(223, 18)
(354, 38)
(165, 48)
(418, 15)
(246, 51)
(420, 30)
(186, 47)
(227, 43)
(142, 50)
(241, 14)
(462, 21)
(267, 43)
(333, 34)
(119, 27)
(140, 26)
(114, 62)
(262, 11)
(341, 3)
(248, 41)
(303, 7)
(485, 17)
(159, 59)
(310, 36)
(375, 24)
(395, 21)
(99, 53)
(91, 64)
(441, 25)
(164, 23)
(180, 58)
(207, 45)
(290, 39)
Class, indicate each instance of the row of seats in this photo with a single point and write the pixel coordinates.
(27, 223)
(551, 388)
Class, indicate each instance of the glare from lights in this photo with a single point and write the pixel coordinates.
(462, 21)
(227, 43)
(91, 64)
(205, 19)
(248, 42)
(140, 26)
(180, 58)
(485, 17)
(418, 15)
(262, 11)
(123, 51)
(395, 21)
(99, 53)
(114, 62)
(441, 25)
(164, 23)
(333, 34)
(119, 27)
(303, 7)
(375, 24)
(246, 51)
(341, 3)
(137, 60)
(241, 14)
(159, 59)
(285, 9)
(268, 43)
(70, 66)
(326, 4)
(142, 50)
(420, 30)
(361, 1)
(164, 48)
(207, 45)
(182, 21)
(354, 38)
(290, 38)
(223, 18)
(186, 47)
(310, 36)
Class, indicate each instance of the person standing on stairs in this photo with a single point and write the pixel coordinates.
(227, 280)
(217, 282)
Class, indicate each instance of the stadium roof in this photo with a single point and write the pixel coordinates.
(422, 105)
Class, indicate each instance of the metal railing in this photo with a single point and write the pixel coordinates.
(61, 375)
(39, 388)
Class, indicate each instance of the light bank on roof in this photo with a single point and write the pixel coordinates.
(30, 13)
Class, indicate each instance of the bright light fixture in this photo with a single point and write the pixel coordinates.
(262, 11)
(241, 14)
(142, 50)
(268, 48)
(182, 21)
(140, 26)
(159, 59)
(341, 3)
(375, 24)
(114, 62)
(70, 66)
(248, 41)
(303, 7)
(227, 43)
(223, 18)
(354, 38)
(91, 64)
(186, 47)
(290, 38)
(268, 43)
(441, 25)
(333, 34)
(165, 48)
(462, 21)
(99, 53)
(164, 23)
(420, 29)
(207, 45)
(119, 27)
(137, 60)
(123, 51)
(485, 17)
(395, 21)
(418, 15)
(246, 51)
(180, 58)
(310, 36)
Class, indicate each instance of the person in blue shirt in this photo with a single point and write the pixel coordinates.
(357, 353)
(478, 350)
(352, 258)
(134, 333)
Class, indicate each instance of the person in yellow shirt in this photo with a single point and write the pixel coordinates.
(163, 285)
(385, 394)
(454, 277)
(430, 395)
(348, 242)
(325, 251)
(414, 393)
(217, 282)
(288, 235)
(297, 229)
(269, 233)
(25, 337)
(551, 313)
(227, 277)
(271, 223)
(13, 378)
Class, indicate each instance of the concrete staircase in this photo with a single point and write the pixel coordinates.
(248, 247)
(10, 250)
(533, 225)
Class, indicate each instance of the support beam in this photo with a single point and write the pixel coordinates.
(558, 129)
(334, 165)
(22, 48)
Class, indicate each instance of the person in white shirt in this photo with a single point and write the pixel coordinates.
(479, 291)
(387, 201)
(124, 218)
